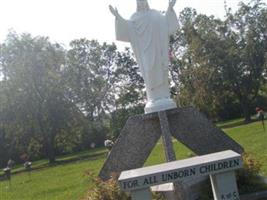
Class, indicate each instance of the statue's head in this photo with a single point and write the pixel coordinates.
(142, 5)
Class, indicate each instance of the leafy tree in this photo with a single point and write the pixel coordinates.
(104, 83)
(37, 107)
(90, 74)
(196, 82)
(245, 64)
(130, 91)
(130, 84)
(227, 55)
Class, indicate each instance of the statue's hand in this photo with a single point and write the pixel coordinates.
(114, 11)
(172, 3)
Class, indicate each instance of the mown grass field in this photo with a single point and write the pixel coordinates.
(67, 180)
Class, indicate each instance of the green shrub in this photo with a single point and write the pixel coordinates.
(110, 190)
(248, 179)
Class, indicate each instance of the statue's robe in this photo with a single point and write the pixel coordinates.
(148, 32)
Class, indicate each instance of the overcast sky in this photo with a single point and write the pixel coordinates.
(65, 20)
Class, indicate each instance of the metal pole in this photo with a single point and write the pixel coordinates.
(178, 193)
(166, 137)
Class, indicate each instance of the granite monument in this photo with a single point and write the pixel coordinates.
(148, 31)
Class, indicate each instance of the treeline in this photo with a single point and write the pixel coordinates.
(55, 100)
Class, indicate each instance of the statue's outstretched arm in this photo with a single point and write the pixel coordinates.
(115, 12)
(121, 26)
(171, 4)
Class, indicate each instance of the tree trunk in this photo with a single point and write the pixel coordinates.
(50, 151)
(52, 157)
(48, 140)
(246, 112)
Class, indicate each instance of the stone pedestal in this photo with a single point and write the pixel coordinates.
(142, 132)
(224, 186)
(144, 194)
(159, 105)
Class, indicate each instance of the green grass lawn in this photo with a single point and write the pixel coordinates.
(64, 181)
(67, 179)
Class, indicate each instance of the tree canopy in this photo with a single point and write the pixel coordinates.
(55, 100)
(222, 60)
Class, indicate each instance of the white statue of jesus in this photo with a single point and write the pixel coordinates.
(148, 31)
